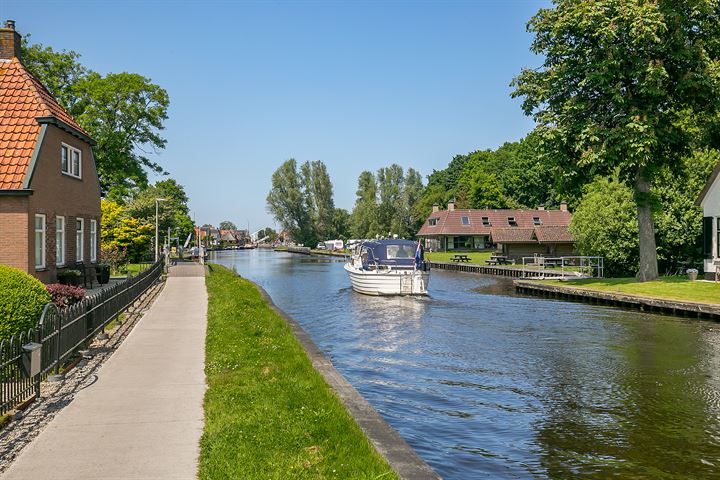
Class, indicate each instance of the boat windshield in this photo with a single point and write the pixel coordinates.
(399, 252)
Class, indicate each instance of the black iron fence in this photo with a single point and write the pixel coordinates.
(60, 334)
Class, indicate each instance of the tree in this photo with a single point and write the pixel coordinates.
(623, 86)
(485, 191)
(288, 203)
(604, 224)
(318, 197)
(364, 218)
(227, 225)
(123, 112)
(340, 224)
(173, 213)
(121, 232)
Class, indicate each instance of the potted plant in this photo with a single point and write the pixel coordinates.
(692, 273)
(103, 273)
(69, 276)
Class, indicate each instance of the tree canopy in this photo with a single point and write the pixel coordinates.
(123, 112)
(624, 87)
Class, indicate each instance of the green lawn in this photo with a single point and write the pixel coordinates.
(268, 413)
(674, 288)
(475, 257)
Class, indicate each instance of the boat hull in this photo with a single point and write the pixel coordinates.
(394, 282)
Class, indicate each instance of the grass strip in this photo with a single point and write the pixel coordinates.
(268, 413)
(668, 288)
(475, 257)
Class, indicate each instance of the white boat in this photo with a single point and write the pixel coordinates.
(389, 267)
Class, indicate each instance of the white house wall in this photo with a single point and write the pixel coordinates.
(711, 208)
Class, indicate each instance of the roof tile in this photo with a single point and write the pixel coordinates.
(22, 99)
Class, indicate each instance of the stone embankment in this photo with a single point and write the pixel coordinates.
(648, 304)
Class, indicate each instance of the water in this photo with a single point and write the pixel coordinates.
(484, 383)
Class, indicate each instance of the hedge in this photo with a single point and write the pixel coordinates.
(22, 299)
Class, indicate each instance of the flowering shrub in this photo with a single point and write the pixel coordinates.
(65, 295)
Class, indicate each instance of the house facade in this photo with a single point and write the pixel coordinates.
(514, 232)
(709, 200)
(49, 189)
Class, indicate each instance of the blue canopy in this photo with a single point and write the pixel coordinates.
(391, 252)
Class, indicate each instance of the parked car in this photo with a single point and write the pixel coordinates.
(320, 246)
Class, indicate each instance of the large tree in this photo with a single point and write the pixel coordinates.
(123, 112)
(623, 86)
(227, 225)
(173, 212)
(364, 218)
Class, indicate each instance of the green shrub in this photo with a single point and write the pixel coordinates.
(22, 299)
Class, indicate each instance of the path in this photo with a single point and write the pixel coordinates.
(143, 417)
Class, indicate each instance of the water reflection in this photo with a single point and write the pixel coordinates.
(487, 384)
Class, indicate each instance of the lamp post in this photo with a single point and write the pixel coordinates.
(157, 236)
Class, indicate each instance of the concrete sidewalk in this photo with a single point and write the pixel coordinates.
(143, 417)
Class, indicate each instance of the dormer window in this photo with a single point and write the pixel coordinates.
(71, 161)
(512, 222)
(465, 220)
(486, 221)
(536, 221)
(432, 222)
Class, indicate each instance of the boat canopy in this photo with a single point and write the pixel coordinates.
(389, 252)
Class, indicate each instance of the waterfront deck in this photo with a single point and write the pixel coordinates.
(514, 272)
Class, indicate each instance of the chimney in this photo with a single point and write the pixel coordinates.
(436, 207)
(563, 206)
(541, 207)
(9, 41)
(451, 205)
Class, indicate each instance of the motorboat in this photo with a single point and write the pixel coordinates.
(389, 267)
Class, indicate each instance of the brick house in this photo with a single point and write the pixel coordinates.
(515, 232)
(49, 189)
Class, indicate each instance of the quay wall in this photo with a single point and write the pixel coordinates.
(646, 304)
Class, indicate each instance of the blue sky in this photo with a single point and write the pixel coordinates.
(358, 85)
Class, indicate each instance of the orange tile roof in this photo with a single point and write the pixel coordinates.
(22, 99)
(450, 222)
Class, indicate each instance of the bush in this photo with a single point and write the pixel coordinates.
(22, 299)
(65, 295)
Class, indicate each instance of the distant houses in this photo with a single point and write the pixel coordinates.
(709, 200)
(49, 188)
(514, 232)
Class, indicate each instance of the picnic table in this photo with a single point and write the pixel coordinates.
(460, 258)
(498, 260)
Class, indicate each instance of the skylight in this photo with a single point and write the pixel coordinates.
(465, 220)
(536, 221)
(512, 222)
(486, 221)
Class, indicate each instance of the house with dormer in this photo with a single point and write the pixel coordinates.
(515, 233)
(49, 188)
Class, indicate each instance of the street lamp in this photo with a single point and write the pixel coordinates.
(157, 236)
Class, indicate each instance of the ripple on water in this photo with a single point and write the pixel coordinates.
(484, 383)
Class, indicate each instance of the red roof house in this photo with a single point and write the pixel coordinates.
(49, 189)
(515, 232)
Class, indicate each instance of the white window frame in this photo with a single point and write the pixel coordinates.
(69, 172)
(80, 246)
(42, 231)
(432, 222)
(60, 246)
(93, 240)
(465, 220)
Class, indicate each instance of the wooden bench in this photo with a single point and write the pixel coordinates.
(460, 258)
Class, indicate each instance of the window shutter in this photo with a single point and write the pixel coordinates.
(707, 236)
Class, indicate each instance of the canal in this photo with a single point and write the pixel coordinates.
(484, 383)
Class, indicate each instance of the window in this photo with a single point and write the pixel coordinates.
(432, 222)
(79, 227)
(512, 222)
(60, 241)
(93, 240)
(536, 221)
(465, 220)
(486, 221)
(39, 241)
(717, 245)
(71, 161)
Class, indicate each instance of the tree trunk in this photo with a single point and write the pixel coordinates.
(646, 228)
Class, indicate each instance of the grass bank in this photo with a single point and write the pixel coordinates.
(668, 288)
(268, 413)
(475, 257)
